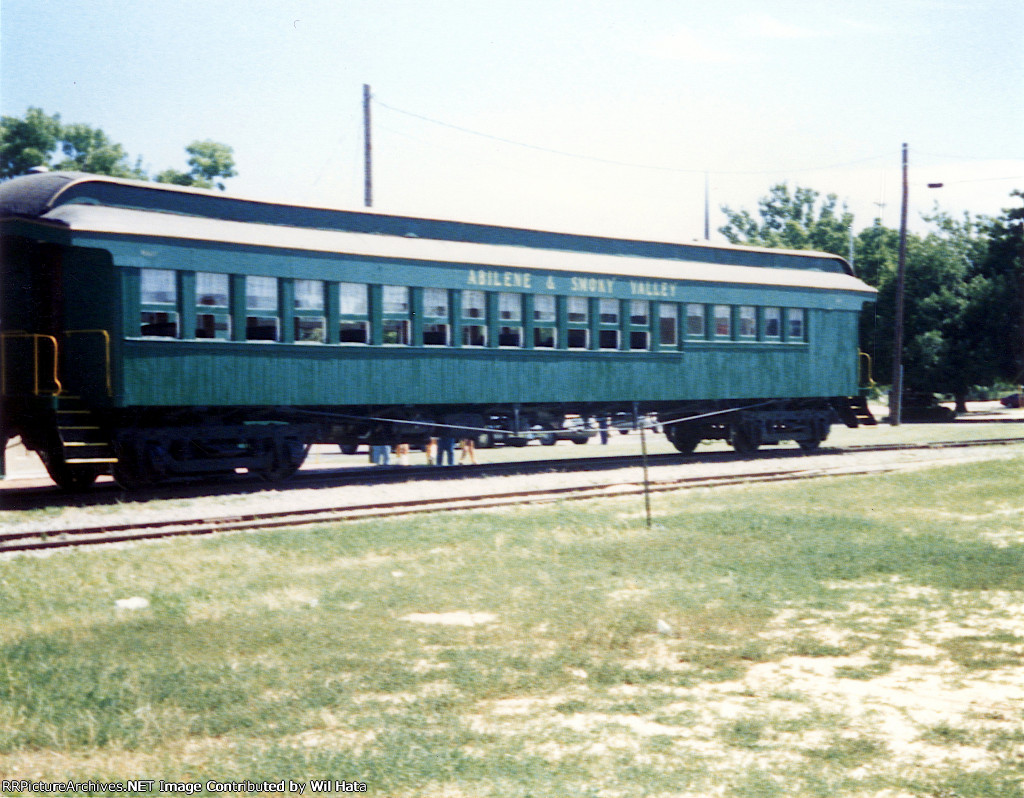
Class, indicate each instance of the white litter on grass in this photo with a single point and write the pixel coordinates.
(664, 628)
(460, 618)
(133, 603)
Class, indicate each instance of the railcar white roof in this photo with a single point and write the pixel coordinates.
(86, 218)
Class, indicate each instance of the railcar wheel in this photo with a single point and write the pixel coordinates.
(69, 476)
(130, 474)
(809, 444)
(742, 441)
(287, 457)
(685, 440)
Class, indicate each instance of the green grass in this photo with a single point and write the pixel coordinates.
(288, 654)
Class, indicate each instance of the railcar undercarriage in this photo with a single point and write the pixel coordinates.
(144, 447)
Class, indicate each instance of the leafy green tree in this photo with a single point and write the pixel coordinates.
(208, 161)
(27, 143)
(792, 220)
(88, 149)
(962, 304)
(964, 291)
(41, 139)
(998, 299)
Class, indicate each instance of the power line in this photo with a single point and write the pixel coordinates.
(614, 162)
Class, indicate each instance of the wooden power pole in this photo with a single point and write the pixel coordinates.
(367, 150)
(896, 392)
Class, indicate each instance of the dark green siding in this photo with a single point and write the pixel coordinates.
(213, 373)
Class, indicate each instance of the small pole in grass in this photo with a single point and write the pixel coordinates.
(647, 483)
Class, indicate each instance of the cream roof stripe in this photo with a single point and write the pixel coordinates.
(101, 219)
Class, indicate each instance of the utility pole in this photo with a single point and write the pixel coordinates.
(707, 211)
(367, 150)
(896, 393)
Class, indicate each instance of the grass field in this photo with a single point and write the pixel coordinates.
(847, 637)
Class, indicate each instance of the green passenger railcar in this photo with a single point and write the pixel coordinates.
(159, 331)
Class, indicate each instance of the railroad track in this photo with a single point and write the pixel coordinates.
(36, 540)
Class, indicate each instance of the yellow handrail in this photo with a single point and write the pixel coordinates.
(106, 344)
(867, 357)
(58, 388)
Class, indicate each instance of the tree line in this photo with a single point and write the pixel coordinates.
(964, 286)
(42, 140)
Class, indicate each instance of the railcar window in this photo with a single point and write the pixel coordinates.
(797, 324)
(474, 305)
(353, 299)
(668, 317)
(309, 320)
(696, 323)
(510, 309)
(608, 317)
(435, 311)
(261, 297)
(748, 322)
(545, 333)
(723, 321)
(578, 317)
(159, 324)
(639, 316)
(577, 338)
(354, 325)
(474, 335)
(609, 311)
(608, 339)
(474, 309)
(159, 287)
(310, 329)
(309, 295)
(158, 292)
(772, 323)
(213, 325)
(212, 290)
(395, 307)
(396, 299)
(396, 331)
(544, 308)
(579, 310)
(213, 300)
(261, 293)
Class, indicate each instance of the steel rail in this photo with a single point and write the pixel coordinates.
(35, 540)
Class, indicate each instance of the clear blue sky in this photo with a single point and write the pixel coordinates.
(644, 95)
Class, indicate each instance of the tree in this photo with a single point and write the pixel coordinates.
(40, 139)
(26, 143)
(964, 298)
(208, 160)
(793, 221)
(88, 149)
(999, 301)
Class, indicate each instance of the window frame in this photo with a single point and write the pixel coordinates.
(608, 329)
(255, 311)
(351, 319)
(304, 315)
(473, 328)
(168, 309)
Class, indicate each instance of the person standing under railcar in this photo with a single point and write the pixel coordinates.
(446, 448)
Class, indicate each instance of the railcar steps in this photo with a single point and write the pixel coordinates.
(82, 440)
